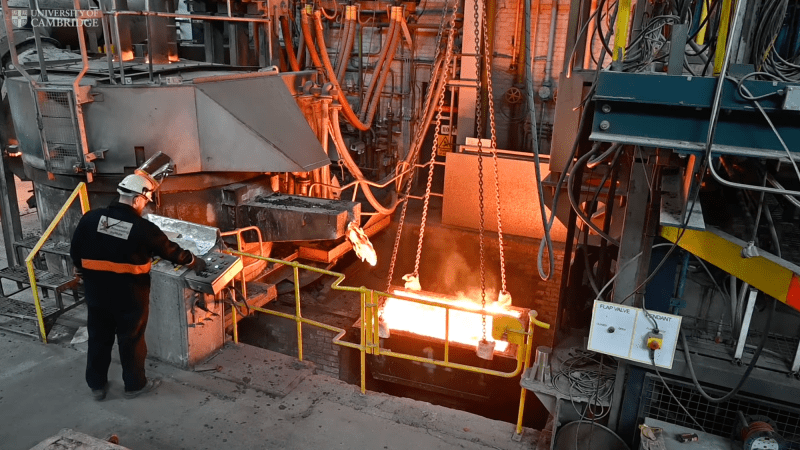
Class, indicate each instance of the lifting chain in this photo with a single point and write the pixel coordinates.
(478, 126)
(488, 63)
(435, 147)
(419, 136)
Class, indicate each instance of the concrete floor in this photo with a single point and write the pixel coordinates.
(258, 399)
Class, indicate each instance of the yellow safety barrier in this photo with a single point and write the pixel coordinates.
(80, 191)
(369, 342)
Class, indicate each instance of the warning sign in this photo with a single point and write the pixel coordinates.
(444, 144)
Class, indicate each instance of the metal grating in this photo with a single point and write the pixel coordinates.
(59, 129)
(716, 418)
(24, 310)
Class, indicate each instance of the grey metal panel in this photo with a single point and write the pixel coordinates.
(284, 217)
(160, 118)
(263, 108)
(227, 143)
(23, 112)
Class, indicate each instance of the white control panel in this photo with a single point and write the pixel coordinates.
(623, 332)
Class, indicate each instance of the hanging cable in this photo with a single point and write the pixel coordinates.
(349, 114)
(335, 132)
(368, 93)
(747, 372)
(287, 41)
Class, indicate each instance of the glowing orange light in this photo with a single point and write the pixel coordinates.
(361, 244)
(127, 55)
(173, 58)
(426, 320)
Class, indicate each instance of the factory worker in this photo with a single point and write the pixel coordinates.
(112, 249)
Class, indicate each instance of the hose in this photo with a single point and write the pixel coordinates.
(746, 374)
(312, 50)
(574, 202)
(349, 114)
(376, 96)
(368, 94)
(348, 48)
(336, 134)
(287, 40)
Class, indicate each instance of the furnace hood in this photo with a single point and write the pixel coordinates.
(213, 124)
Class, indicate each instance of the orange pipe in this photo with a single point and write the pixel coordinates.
(287, 40)
(349, 114)
(378, 65)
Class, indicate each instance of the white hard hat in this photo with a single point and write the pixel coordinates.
(137, 185)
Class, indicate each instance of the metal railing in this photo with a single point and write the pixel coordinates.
(369, 341)
(80, 191)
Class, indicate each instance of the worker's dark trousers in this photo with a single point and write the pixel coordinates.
(128, 324)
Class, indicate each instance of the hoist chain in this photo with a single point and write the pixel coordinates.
(488, 63)
(435, 147)
(478, 127)
(418, 136)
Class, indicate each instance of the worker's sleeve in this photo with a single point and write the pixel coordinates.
(78, 240)
(161, 245)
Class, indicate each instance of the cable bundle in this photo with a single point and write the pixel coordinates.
(584, 375)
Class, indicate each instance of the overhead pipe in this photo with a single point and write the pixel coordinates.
(350, 115)
(378, 66)
(287, 40)
(394, 42)
(552, 41)
(312, 51)
(351, 14)
(344, 153)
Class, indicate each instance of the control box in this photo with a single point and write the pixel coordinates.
(220, 269)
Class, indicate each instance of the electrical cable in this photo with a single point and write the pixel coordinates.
(747, 372)
(653, 361)
(619, 270)
(574, 202)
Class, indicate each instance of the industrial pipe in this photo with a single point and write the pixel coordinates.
(552, 42)
(394, 42)
(312, 50)
(350, 17)
(346, 108)
(336, 134)
(378, 66)
(287, 41)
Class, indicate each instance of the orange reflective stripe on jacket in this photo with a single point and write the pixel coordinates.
(108, 266)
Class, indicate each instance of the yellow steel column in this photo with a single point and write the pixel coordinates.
(722, 36)
(701, 34)
(363, 345)
(298, 317)
(235, 325)
(528, 346)
(621, 29)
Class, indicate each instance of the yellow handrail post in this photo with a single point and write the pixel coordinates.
(363, 344)
(722, 36)
(528, 347)
(376, 331)
(621, 30)
(298, 316)
(235, 324)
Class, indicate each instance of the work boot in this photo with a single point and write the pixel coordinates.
(151, 385)
(100, 394)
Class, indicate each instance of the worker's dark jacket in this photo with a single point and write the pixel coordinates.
(113, 248)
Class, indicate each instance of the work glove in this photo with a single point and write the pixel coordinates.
(198, 264)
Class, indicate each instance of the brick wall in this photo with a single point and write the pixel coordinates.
(508, 12)
(280, 335)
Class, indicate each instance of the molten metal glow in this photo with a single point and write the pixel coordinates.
(173, 58)
(465, 327)
(127, 55)
(361, 244)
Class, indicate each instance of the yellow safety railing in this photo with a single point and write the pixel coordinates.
(80, 191)
(240, 247)
(370, 328)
